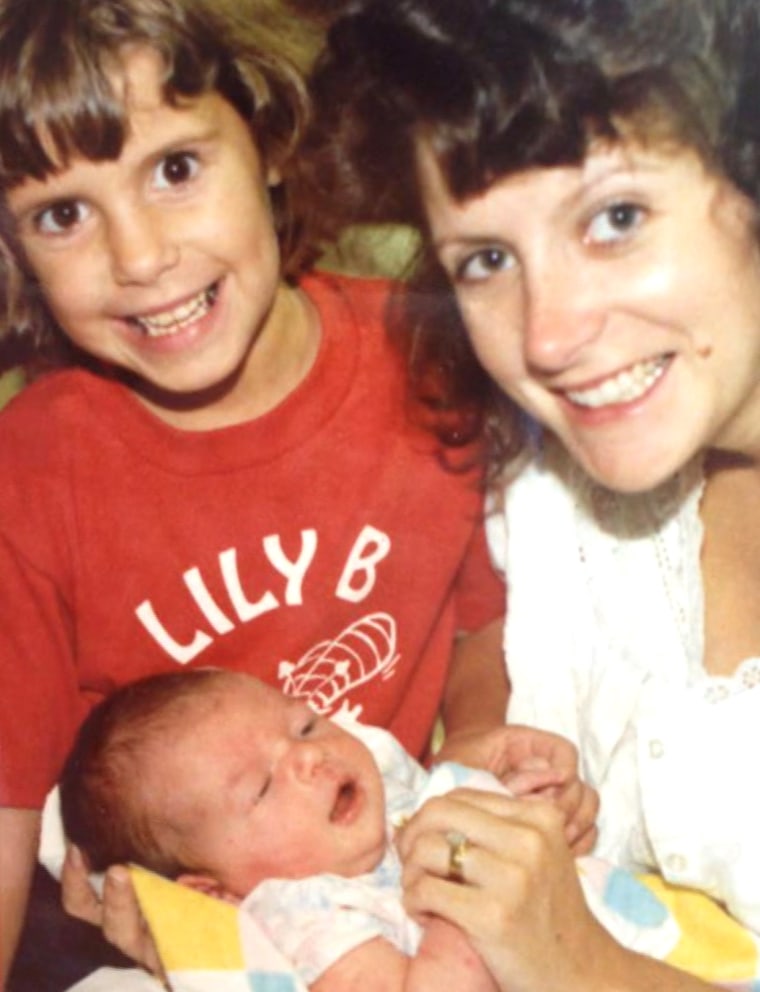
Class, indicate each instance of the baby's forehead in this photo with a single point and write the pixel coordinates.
(247, 692)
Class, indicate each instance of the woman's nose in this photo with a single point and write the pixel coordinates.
(560, 319)
(140, 244)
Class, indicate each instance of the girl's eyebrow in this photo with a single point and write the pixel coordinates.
(186, 138)
(31, 198)
(200, 134)
(54, 187)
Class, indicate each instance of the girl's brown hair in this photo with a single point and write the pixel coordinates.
(58, 61)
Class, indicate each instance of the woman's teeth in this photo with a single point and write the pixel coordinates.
(625, 387)
(170, 321)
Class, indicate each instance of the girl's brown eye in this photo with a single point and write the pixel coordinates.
(59, 217)
(176, 169)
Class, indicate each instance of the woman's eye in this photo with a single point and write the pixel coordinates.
(484, 264)
(176, 169)
(60, 217)
(615, 223)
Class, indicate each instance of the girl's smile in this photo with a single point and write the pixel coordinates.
(170, 321)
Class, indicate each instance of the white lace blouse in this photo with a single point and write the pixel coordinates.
(604, 644)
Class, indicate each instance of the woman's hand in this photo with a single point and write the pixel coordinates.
(117, 914)
(520, 901)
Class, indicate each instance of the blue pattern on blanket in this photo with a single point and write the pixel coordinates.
(627, 896)
(262, 982)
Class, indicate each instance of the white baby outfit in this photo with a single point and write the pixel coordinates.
(315, 921)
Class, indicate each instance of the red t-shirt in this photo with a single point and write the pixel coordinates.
(322, 547)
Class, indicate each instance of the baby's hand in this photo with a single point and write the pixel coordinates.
(533, 762)
(577, 800)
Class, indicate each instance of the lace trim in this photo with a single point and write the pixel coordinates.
(670, 517)
(638, 552)
(720, 687)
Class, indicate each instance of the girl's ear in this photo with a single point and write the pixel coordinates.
(207, 885)
(274, 175)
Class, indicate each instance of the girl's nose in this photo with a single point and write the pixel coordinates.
(560, 319)
(140, 245)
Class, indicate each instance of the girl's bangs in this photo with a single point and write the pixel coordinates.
(48, 119)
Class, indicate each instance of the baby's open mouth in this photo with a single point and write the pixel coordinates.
(345, 801)
(171, 321)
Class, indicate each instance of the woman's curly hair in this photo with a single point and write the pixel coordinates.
(500, 86)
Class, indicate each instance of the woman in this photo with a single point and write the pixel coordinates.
(587, 175)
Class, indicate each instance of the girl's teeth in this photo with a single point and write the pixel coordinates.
(171, 321)
(625, 387)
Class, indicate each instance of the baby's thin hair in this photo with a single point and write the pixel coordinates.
(102, 807)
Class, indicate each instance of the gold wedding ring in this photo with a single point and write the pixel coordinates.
(458, 847)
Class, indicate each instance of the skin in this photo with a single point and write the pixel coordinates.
(20, 829)
(184, 208)
(530, 944)
(184, 211)
(263, 786)
(175, 236)
(568, 277)
(619, 304)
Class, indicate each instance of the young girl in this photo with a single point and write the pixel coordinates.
(223, 458)
(587, 175)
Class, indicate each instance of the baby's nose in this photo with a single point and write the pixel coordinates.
(308, 760)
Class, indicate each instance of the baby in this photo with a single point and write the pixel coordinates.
(223, 783)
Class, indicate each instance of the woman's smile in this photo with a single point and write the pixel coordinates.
(622, 388)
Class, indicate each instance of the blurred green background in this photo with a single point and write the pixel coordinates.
(9, 384)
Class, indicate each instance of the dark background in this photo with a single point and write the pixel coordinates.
(56, 951)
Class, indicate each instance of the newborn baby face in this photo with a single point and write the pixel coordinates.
(262, 787)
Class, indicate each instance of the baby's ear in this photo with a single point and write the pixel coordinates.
(205, 884)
